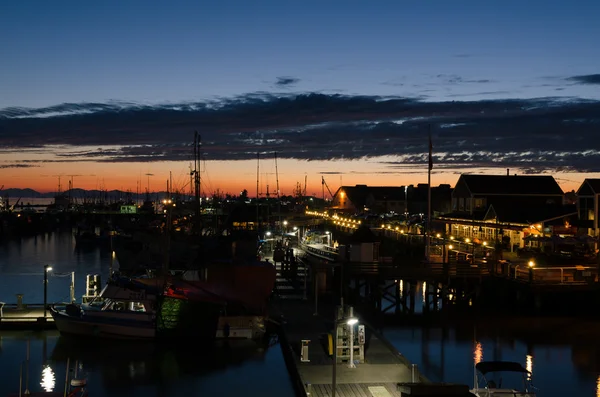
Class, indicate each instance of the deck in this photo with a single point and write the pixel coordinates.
(378, 376)
(30, 316)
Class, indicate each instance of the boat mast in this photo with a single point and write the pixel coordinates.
(197, 176)
(257, 194)
(278, 198)
(428, 231)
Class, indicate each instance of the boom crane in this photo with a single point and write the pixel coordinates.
(324, 185)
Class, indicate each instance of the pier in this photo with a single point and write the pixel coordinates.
(317, 359)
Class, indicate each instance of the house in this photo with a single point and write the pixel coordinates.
(588, 196)
(384, 199)
(506, 208)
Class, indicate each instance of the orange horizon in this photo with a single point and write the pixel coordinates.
(231, 177)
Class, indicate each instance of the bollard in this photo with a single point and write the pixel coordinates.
(20, 302)
(308, 389)
(414, 373)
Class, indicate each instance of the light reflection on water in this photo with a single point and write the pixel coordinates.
(478, 353)
(529, 365)
(140, 369)
(48, 380)
(563, 355)
(116, 369)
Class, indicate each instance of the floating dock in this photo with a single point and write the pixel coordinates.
(25, 317)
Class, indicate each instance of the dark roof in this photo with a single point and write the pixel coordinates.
(492, 366)
(512, 184)
(594, 184)
(532, 213)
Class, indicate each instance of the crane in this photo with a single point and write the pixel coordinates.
(324, 185)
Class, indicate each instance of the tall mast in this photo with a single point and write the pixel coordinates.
(197, 174)
(278, 197)
(257, 184)
(429, 168)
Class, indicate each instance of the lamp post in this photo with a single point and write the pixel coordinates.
(350, 321)
(47, 268)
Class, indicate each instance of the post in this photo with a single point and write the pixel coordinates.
(414, 373)
(27, 369)
(351, 314)
(46, 269)
(305, 277)
(67, 377)
(316, 276)
(335, 336)
(72, 287)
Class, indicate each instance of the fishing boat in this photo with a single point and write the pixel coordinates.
(143, 309)
(502, 378)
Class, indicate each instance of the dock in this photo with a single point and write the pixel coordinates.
(25, 317)
(383, 368)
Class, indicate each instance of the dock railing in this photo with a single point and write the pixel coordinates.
(554, 275)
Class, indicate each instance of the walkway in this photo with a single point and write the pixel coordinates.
(383, 369)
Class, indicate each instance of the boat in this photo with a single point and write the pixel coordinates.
(502, 378)
(143, 309)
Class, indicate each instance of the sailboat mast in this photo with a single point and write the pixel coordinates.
(257, 184)
(278, 197)
(197, 174)
(430, 166)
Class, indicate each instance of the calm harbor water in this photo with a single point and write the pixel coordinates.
(116, 369)
(564, 357)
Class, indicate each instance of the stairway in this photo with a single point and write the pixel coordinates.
(288, 287)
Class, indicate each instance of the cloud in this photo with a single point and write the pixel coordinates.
(286, 81)
(19, 165)
(533, 134)
(586, 79)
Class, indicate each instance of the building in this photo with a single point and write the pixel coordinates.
(588, 195)
(385, 199)
(507, 209)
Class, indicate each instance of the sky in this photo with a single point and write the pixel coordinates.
(109, 93)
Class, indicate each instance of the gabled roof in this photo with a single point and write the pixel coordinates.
(530, 214)
(512, 184)
(593, 184)
(358, 194)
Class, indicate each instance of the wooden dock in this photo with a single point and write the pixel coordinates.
(379, 375)
(27, 317)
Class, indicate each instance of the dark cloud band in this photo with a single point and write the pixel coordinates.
(536, 135)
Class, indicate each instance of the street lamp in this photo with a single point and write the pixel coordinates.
(351, 321)
(47, 268)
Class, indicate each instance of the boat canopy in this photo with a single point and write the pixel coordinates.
(495, 366)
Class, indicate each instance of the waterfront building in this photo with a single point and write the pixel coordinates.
(507, 209)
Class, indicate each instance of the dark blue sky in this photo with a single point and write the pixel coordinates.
(116, 88)
(143, 51)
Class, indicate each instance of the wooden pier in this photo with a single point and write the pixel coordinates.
(379, 375)
(25, 317)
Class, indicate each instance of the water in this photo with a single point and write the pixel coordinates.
(563, 354)
(117, 369)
